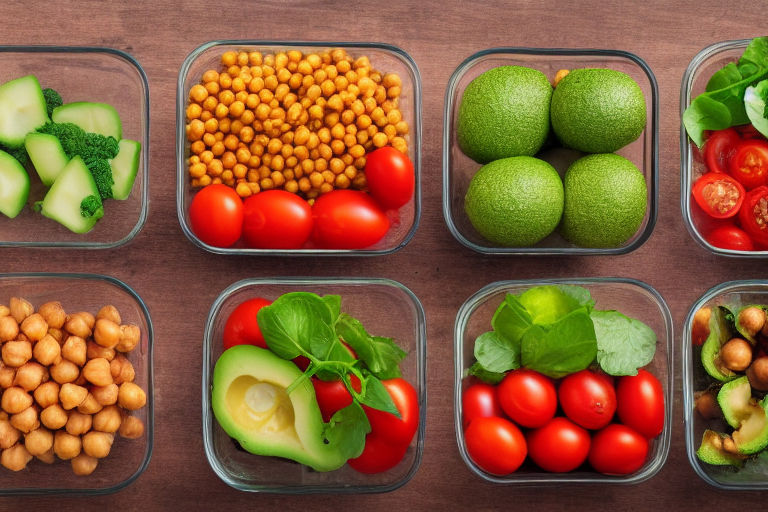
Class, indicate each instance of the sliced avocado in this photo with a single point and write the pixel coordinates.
(251, 404)
(719, 334)
(711, 451)
(744, 413)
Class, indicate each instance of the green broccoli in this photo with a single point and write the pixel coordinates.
(89, 206)
(75, 141)
(102, 175)
(19, 154)
(52, 100)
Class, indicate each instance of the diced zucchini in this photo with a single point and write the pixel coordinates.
(124, 168)
(91, 117)
(47, 156)
(14, 185)
(63, 200)
(22, 109)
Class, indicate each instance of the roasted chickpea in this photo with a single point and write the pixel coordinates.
(29, 376)
(94, 351)
(751, 319)
(9, 328)
(54, 417)
(65, 371)
(47, 351)
(72, 395)
(57, 334)
(132, 427)
(106, 333)
(7, 374)
(15, 400)
(130, 335)
(16, 353)
(98, 444)
(757, 373)
(53, 314)
(122, 370)
(105, 395)
(78, 423)
(77, 324)
(66, 446)
(8, 434)
(736, 354)
(108, 419)
(15, 458)
(34, 327)
(47, 394)
(20, 309)
(97, 372)
(131, 396)
(26, 421)
(83, 464)
(38, 441)
(90, 405)
(75, 350)
(48, 457)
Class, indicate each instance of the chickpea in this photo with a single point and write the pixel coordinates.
(94, 350)
(757, 373)
(7, 375)
(34, 327)
(122, 370)
(64, 371)
(77, 325)
(4, 310)
(15, 400)
(20, 309)
(54, 417)
(90, 405)
(131, 396)
(108, 419)
(47, 394)
(57, 334)
(78, 423)
(9, 328)
(38, 441)
(97, 372)
(26, 421)
(29, 376)
(105, 395)
(16, 353)
(48, 457)
(72, 395)
(83, 464)
(66, 446)
(106, 333)
(47, 351)
(132, 427)
(8, 434)
(15, 458)
(74, 350)
(130, 335)
(751, 319)
(736, 354)
(98, 444)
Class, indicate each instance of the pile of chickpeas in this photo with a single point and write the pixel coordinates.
(292, 121)
(67, 385)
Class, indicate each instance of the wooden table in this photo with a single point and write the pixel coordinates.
(179, 281)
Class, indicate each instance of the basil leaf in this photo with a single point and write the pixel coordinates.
(566, 346)
(623, 344)
(297, 324)
(334, 306)
(484, 375)
(578, 293)
(547, 304)
(705, 113)
(511, 319)
(496, 353)
(376, 396)
(381, 355)
(347, 430)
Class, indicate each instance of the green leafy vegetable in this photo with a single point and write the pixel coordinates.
(297, 324)
(546, 304)
(623, 344)
(496, 353)
(511, 320)
(347, 430)
(381, 355)
(756, 103)
(560, 348)
(481, 373)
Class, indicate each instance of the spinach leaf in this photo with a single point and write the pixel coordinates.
(547, 304)
(347, 430)
(381, 355)
(724, 77)
(623, 344)
(560, 348)
(375, 395)
(484, 375)
(496, 353)
(297, 324)
(705, 113)
(578, 293)
(511, 319)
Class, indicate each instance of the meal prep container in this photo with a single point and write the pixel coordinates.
(385, 308)
(385, 58)
(84, 74)
(633, 298)
(700, 70)
(753, 475)
(129, 457)
(458, 168)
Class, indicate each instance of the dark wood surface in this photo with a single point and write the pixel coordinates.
(179, 281)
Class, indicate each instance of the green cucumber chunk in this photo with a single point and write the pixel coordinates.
(125, 165)
(92, 117)
(22, 109)
(47, 156)
(14, 185)
(63, 201)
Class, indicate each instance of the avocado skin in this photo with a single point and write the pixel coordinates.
(711, 454)
(597, 110)
(516, 201)
(605, 201)
(504, 112)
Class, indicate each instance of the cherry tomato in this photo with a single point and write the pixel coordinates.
(753, 216)
(387, 426)
(390, 177)
(641, 403)
(276, 219)
(495, 444)
(719, 149)
(559, 446)
(242, 328)
(718, 194)
(528, 397)
(588, 399)
(348, 219)
(378, 455)
(479, 400)
(730, 237)
(704, 223)
(618, 450)
(216, 215)
(333, 395)
(749, 163)
(747, 131)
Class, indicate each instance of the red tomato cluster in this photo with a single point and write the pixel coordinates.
(585, 431)
(276, 219)
(731, 200)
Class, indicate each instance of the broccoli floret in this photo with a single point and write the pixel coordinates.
(19, 154)
(52, 100)
(101, 146)
(76, 141)
(89, 206)
(102, 175)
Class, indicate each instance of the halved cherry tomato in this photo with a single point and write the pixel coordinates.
(719, 148)
(348, 219)
(730, 237)
(276, 219)
(753, 216)
(718, 194)
(749, 163)
(479, 400)
(241, 327)
(397, 431)
(495, 444)
(390, 177)
(216, 215)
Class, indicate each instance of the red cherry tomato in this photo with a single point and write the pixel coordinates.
(705, 223)
(617, 450)
(528, 397)
(216, 215)
(718, 194)
(753, 215)
(390, 177)
(588, 399)
(276, 219)
(749, 163)
(479, 400)
(495, 444)
(559, 446)
(641, 403)
(387, 426)
(242, 328)
(333, 395)
(378, 455)
(747, 131)
(719, 148)
(348, 219)
(730, 237)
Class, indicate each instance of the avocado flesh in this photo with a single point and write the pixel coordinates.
(711, 451)
(250, 402)
(748, 416)
(719, 333)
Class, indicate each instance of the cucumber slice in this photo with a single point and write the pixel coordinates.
(47, 156)
(14, 185)
(91, 117)
(62, 202)
(124, 168)
(22, 109)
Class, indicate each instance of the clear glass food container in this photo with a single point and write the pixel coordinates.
(384, 58)
(90, 74)
(628, 296)
(129, 457)
(385, 308)
(754, 474)
(458, 169)
(699, 71)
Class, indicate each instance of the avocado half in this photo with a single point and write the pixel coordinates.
(250, 402)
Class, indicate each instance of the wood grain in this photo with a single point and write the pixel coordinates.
(179, 281)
